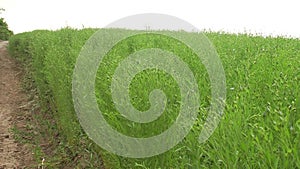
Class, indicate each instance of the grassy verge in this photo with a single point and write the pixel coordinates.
(49, 146)
(261, 123)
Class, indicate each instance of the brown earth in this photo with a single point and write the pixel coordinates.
(13, 113)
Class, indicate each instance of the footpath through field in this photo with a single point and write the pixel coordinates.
(12, 153)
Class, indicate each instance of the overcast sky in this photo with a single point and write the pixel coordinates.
(256, 16)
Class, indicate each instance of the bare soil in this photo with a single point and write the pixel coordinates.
(13, 113)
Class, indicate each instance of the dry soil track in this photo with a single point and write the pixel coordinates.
(12, 98)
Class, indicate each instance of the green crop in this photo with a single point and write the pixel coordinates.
(260, 127)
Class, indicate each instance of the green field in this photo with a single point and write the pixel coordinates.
(260, 127)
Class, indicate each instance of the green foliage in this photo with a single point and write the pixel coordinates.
(5, 33)
(261, 123)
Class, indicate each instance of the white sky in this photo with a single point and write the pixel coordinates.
(256, 16)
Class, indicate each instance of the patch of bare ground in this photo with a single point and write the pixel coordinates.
(13, 114)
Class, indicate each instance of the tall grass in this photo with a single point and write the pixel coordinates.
(261, 123)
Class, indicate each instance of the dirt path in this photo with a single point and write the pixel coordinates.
(12, 153)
